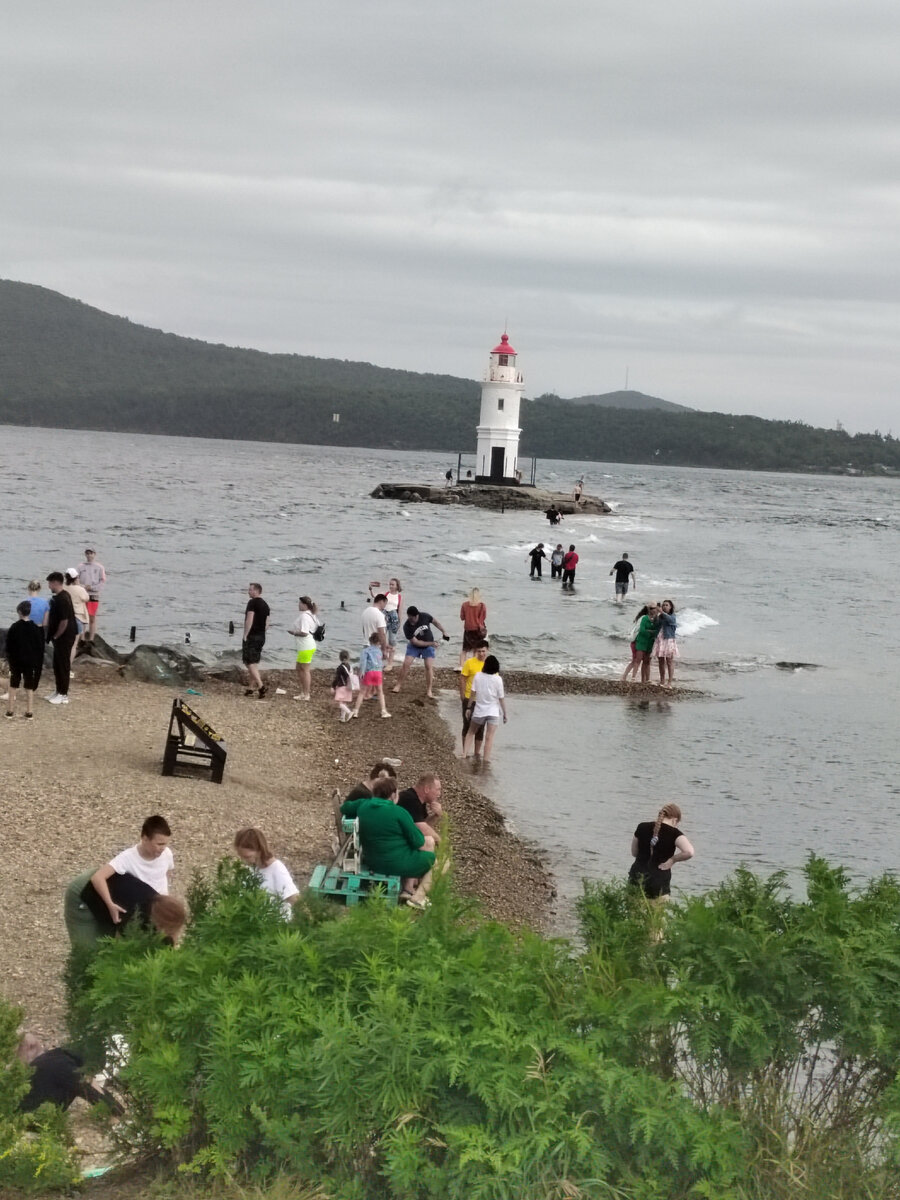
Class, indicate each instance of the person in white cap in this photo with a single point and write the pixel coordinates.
(80, 599)
(92, 577)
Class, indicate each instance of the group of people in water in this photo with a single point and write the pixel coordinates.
(653, 635)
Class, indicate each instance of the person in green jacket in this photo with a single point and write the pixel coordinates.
(646, 636)
(391, 843)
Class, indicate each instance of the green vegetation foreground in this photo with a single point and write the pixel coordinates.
(750, 1053)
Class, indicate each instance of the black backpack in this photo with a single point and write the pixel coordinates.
(319, 632)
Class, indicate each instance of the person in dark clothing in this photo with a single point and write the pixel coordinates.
(88, 918)
(25, 653)
(57, 1079)
(62, 632)
(535, 556)
(656, 847)
(256, 619)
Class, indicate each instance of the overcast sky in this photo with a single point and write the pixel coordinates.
(704, 194)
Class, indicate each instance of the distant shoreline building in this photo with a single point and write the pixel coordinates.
(497, 447)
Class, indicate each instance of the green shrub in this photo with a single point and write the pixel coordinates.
(35, 1148)
(749, 1053)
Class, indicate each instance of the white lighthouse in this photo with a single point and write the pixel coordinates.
(497, 451)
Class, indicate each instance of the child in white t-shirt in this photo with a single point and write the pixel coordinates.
(252, 848)
(150, 860)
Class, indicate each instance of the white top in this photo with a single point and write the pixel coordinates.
(80, 599)
(487, 691)
(393, 601)
(276, 879)
(152, 870)
(304, 625)
(373, 619)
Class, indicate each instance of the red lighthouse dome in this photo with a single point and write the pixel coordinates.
(504, 347)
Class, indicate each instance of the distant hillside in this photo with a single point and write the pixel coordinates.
(64, 364)
(628, 399)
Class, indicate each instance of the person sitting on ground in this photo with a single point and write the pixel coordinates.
(150, 860)
(390, 842)
(363, 790)
(420, 644)
(25, 655)
(251, 847)
(423, 803)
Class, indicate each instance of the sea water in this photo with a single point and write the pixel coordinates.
(784, 587)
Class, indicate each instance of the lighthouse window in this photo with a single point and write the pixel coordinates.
(500, 404)
(503, 360)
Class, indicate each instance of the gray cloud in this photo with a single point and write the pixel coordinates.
(704, 193)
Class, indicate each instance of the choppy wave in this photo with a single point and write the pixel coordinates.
(472, 556)
(691, 621)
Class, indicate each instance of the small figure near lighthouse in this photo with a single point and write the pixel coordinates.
(497, 451)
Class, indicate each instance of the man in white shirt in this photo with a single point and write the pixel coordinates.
(374, 621)
(150, 860)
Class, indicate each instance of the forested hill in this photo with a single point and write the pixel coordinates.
(65, 364)
(626, 399)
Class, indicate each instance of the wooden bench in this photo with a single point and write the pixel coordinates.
(346, 878)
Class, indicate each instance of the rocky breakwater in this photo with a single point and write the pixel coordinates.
(498, 497)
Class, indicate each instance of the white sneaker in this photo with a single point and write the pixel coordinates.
(53, 697)
(58, 699)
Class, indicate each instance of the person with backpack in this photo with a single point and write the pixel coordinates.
(308, 630)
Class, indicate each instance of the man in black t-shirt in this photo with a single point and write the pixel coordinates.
(61, 631)
(420, 643)
(624, 576)
(363, 790)
(423, 803)
(256, 618)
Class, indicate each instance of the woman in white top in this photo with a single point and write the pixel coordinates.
(393, 597)
(251, 847)
(303, 629)
(487, 704)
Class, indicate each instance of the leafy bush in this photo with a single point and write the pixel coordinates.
(748, 1054)
(35, 1149)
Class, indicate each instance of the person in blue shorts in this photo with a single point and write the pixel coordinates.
(420, 643)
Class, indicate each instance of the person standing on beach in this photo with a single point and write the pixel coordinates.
(535, 556)
(473, 614)
(39, 604)
(374, 621)
(665, 648)
(570, 562)
(624, 576)
(303, 629)
(25, 655)
(487, 704)
(79, 603)
(420, 644)
(393, 598)
(61, 632)
(635, 664)
(371, 677)
(467, 672)
(256, 621)
(645, 638)
(92, 577)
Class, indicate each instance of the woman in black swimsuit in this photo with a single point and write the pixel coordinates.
(657, 846)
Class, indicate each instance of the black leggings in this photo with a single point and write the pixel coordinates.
(62, 664)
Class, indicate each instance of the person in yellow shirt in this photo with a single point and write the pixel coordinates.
(467, 673)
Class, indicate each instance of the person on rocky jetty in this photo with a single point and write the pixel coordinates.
(420, 643)
(92, 577)
(25, 653)
(390, 842)
(256, 621)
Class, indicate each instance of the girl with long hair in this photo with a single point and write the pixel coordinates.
(473, 614)
(656, 847)
(252, 849)
(665, 648)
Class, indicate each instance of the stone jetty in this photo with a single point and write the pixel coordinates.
(489, 495)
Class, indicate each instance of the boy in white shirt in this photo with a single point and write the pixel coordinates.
(150, 860)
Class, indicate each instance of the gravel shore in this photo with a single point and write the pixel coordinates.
(79, 780)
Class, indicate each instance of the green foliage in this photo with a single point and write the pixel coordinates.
(782, 1011)
(35, 1149)
(65, 364)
